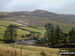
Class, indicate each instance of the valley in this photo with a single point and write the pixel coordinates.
(30, 24)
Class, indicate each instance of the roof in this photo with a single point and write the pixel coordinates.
(26, 41)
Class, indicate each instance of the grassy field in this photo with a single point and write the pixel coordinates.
(8, 50)
(35, 30)
(20, 32)
(17, 50)
(4, 23)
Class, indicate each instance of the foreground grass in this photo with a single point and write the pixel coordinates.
(15, 50)
(7, 49)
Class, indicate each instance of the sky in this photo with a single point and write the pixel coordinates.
(57, 6)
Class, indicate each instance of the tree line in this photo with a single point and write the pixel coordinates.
(56, 37)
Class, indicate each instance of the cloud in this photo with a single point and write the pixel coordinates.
(58, 6)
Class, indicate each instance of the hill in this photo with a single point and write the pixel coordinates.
(22, 31)
(40, 18)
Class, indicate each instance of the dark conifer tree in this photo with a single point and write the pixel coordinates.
(10, 33)
(72, 36)
(50, 34)
(65, 39)
(58, 35)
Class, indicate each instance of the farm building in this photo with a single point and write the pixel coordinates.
(26, 42)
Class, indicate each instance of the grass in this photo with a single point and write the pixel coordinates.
(28, 50)
(64, 25)
(35, 30)
(33, 50)
(7, 49)
(20, 32)
(4, 22)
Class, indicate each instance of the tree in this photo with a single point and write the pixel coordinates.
(48, 26)
(65, 39)
(10, 33)
(43, 53)
(36, 35)
(50, 34)
(72, 36)
(58, 35)
(22, 36)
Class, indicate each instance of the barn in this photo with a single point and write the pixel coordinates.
(26, 42)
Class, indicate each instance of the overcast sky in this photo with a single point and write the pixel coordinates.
(57, 6)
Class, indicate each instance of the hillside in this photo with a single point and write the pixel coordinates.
(40, 18)
(20, 31)
(7, 49)
(15, 50)
(31, 22)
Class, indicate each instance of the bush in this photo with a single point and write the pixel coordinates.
(43, 53)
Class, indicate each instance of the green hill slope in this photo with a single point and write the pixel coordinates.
(40, 18)
(20, 32)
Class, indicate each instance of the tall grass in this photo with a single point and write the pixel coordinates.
(22, 50)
